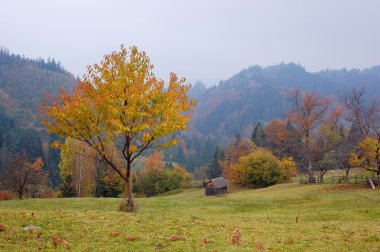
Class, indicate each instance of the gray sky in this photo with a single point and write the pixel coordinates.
(207, 40)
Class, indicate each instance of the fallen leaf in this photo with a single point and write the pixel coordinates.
(236, 237)
(206, 241)
(129, 238)
(58, 240)
(176, 238)
(114, 234)
(259, 246)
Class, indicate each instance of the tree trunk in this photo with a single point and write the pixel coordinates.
(377, 162)
(130, 203)
(311, 174)
(347, 171)
(321, 175)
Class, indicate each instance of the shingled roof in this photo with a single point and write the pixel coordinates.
(219, 182)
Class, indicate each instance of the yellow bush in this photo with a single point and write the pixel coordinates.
(288, 168)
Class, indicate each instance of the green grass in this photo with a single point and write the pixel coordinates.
(331, 218)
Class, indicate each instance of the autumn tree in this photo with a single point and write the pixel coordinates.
(308, 111)
(121, 103)
(77, 166)
(288, 168)
(324, 145)
(364, 114)
(348, 145)
(230, 167)
(277, 138)
(22, 174)
(367, 155)
(153, 163)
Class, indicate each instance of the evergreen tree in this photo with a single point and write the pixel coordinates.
(258, 135)
(214, 169)
(180, 156)
(66, 187)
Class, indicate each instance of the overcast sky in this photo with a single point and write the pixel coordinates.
(198, 39)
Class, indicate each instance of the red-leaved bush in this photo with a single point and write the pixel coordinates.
(5, 195)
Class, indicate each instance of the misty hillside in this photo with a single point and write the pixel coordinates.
(23, 83)
(257, 93)
(234, 106)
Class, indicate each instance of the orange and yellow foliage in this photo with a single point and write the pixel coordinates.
(288, 168)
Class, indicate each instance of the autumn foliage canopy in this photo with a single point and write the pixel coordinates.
(121, 103)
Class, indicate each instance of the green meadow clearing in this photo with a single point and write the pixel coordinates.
(330, 218)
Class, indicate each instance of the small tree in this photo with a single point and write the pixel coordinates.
(369, 157)
(364, 114)
(120, 103)
(22, 174)
(288, 168)
(277, 138)
(323, 148)
(231, 169)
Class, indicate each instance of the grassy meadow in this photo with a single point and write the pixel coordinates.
(286, 217)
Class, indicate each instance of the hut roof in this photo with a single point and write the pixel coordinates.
(219, 182)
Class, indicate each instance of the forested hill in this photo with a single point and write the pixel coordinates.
(23, 82)
(257, 93)
(234, 106)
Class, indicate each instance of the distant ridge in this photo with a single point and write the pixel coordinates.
(259, 94)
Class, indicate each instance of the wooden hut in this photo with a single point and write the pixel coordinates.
(216, 187)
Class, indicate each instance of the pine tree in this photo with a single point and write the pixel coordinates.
(258, 135)
(214, 169)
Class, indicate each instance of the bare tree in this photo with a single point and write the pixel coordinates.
(365, 114)
(361, 112)
(308, 111)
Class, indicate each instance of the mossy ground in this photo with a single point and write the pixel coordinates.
(330, 218)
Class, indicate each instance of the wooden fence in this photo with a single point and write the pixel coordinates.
(357, 179)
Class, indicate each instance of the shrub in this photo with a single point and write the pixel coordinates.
(184, 177)
(155, 182)
(5, 195)
(288, 168)
(260, 168)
